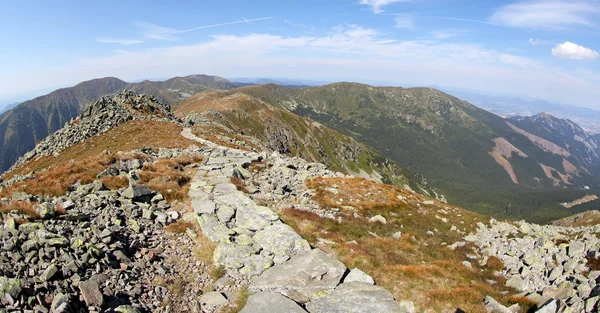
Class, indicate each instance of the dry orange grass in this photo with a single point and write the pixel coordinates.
(128, 136)
(83, 162)
(115, 182)
(60, 177)
(356, 192)
(239, 184)
(24, 207)
(179, 227)
(169, 176)
(418, 266)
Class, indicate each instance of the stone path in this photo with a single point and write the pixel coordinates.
(284, 273)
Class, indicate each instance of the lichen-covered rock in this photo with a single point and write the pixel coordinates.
(281, 240)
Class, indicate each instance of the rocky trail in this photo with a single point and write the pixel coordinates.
(283, 272)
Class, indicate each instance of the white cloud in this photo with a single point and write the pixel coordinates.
(569, 50)
(125, 42)
(351, 53)
(378, 5)
(404, 21)
(543, 14)
(534, 41)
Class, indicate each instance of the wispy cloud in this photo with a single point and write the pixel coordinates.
(125, 42)
(157, 32)
(300, 25)
(534, 41)
(404, 21)
(445, 34)
(553, 14)
(569, 50)
(378, 5)
(463, 20)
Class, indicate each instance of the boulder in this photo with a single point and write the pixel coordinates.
(357, 275)
(309, 272)
(281, 240)
(356, 297)
(213, 299)
(49, 273)
(139, 193)
(10, 286)
(204, 206)
(45, 210)
(60, 304)
(271, 302)
(90, 290)
(378, 219)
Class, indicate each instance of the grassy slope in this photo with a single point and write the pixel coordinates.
(289, 133)
(418, 266)
(445, 139)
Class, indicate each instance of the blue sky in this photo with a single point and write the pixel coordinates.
(533, 49)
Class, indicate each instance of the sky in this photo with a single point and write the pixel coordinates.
(538, 49)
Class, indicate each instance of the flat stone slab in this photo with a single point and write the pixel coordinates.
(253, 217)
(213, 229)
(309, 272)
(204, 206)
(281, 240)
(271, 302)
(356, 297)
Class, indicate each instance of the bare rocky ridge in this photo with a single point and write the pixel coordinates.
(99, 117)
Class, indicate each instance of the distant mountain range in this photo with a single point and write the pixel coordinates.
(31, 121)
(521, 166)
(588, 119)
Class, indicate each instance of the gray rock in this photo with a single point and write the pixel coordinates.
(139, 193)
(356, 297)
(45, 210)
(550, 307)
(357, 275)
(378, 219)
(271, 302)
(10, 286)
(126, 309)
(49, 273)
(90, 290)
(213, 299)
(281, 240)
(309, 272)
(253, 217)
(397, 235)
(60, 304)
(214, 230)
(204, 206)
(515, 282)
(492, 306)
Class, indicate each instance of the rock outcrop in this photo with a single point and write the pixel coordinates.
(102, 115)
